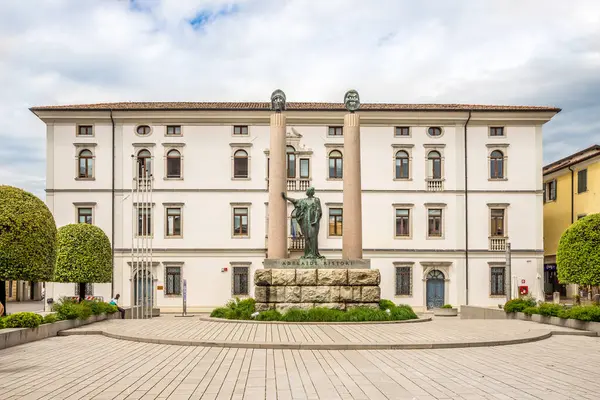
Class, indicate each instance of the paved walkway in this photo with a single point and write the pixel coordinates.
(438, 333)
(96, 367)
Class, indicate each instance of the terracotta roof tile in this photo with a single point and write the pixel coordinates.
(258, 106)
(573, 159)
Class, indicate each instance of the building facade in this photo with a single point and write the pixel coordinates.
(571, 187)
(437, 234)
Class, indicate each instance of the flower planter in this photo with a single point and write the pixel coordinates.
(445, 312)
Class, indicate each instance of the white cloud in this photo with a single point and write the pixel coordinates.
(66, 51)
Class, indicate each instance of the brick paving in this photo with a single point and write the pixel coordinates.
(96, 367)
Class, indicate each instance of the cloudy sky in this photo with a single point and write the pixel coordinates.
(535, 52)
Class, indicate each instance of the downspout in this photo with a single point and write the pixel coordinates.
(466, 218)
(572, 195)
(112, 239)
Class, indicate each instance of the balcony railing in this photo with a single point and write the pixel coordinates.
(435, 184)
(296, 184)
(296, 243)
(498, 243)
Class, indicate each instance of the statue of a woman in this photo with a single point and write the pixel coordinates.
(308, 213)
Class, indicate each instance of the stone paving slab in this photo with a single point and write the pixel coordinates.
(439, 333)
(96, 367)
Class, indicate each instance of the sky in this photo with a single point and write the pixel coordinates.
(535, 52)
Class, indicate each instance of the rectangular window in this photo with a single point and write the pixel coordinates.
(89, 289)
(84, 215)
(304, 168)
(434, 216)
(497, 222)
(174, 221)
(497, 281)
(402, 131)
(144, 221)
(335, 221)
(582, 181)
(403, 281)
(173, 130)
(240, 221)
(241, 130)
(240, 281)
(497, 131)
(402, 222)
(550, 191)
(173, 278)
(336, 131)
(85, 130)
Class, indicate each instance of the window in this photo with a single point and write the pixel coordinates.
(144, 160)
(240, 281)
(240, 164)
(496, 165)
(173, 279)
(335, 165)
(497, 222)
(173, 130)
(304, 168)
(84, 215)
(497, 131)
(240, 221)
(173, 221)
(582, 181)
(240, 130)
(402, 222)
(335, 221)
(434, 217)
(402, 131)
(336, 131)
(550, 190)
(86, 164)
(173, 164)
(497, 285)
(89, 289)
(434, 168)
(143, 130)
(434, 131)
(85, 130)
(403, 281)
(402, 165)
(144, 221)
(290, 161)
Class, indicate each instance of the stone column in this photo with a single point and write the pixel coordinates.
(277, 232)
(352, 216)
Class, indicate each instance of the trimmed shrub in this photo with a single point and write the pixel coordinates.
(550, 309)
(27, 237)
(23, 320)
(402, 312)
(386, 304)
(50, 319)
(269, 315)
(1, 323)
(446, 306)
(220, 312)
(518, 305)
(357, 314)
(585, 313)
(578, 254)
(531, 310)
(295, 315)
(240, 309)
(100, 307)
(68, 309)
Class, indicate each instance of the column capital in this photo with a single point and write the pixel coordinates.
(351, 119)
(278, 119)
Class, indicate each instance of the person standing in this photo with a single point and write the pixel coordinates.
(114, 301)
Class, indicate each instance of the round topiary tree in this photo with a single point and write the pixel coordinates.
(83, 256)
(578, 255)
(27, 238)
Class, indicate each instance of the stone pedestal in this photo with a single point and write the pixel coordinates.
(277, 229)
(352, 227)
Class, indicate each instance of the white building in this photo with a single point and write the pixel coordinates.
(433, 231)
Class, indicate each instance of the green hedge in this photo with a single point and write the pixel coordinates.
(581, 313)
(68, 309)
(27, 237)
(23, 320)
(519, 304)
(578, 253)
(388, 311)
(84, 255)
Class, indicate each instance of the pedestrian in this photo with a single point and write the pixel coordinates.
(114, 301)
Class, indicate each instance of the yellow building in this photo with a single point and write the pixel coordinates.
(571, 187)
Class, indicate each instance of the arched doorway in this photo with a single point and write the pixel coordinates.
(435, 289)
(142, 288)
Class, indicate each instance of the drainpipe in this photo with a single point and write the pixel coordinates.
(572, 194)
(112, 240)
(466, 218)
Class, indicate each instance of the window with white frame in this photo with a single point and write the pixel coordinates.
(173, 280)
(402, 131)
(86, 164)
(144, 161)
(435, 222)
(336, 221)
(336, 164)
(240, 281)
(85, 130)
(84, 215)
(335, 131)
(241, 221)
(173, 130)
(402, 226)
(403, 280)
(550, 190)
(144, 221)
(174, 164)
(496, 131)
(434, 165)
(173, 221)
(402, 165)
(497, 280)
(497, 222)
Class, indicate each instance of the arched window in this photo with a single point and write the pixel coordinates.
(240, 164)
(86, 164)
(402, 165)
(496, 165)
(435, 165)
(336, 164)
(173, 164)
(435, 274)
(434, 131)
(143, 130)
(290, 161)
(144, 159)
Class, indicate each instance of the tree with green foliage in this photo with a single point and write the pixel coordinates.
(27, 238)
(84, 256)
(578, 255)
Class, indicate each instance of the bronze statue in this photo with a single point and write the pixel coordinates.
(278, 101)
(352, 100)
(308, 213)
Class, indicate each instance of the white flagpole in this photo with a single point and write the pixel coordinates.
(133, 226)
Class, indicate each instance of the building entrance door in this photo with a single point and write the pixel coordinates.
(435, 289)
(142, 289)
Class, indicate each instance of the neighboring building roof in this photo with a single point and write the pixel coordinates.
(264, 106)
(573, 159)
